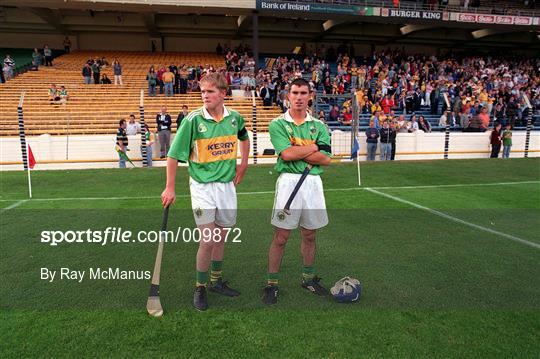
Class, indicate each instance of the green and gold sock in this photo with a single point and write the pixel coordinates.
(272, 279)
(202, 279)
(215, 271)
(308, 273)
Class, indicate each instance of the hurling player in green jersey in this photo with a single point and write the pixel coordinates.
(299, 140)
(207, 140)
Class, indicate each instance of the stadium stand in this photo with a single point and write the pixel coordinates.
(96, 109)
(415, 60)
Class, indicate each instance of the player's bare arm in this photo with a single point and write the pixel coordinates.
(296, 153)
(318, 158)
(242, 167)
(168, 195)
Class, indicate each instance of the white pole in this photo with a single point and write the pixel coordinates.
(358, 167)
(29, 183)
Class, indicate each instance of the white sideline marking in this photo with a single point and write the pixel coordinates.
(272, 192)
(459, 185)
(16, 204)
(455, 219)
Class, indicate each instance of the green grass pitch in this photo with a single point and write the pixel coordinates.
(448, 253)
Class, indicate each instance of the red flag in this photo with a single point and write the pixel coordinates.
(31, 159)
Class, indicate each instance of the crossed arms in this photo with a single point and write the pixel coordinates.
(307, 153)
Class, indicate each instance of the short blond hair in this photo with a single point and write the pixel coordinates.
(216, 79)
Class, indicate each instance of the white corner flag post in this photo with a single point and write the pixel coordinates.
(24, 147)
(354, 135)
(29, 182)
(358, 163)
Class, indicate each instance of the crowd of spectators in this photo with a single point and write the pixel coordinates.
(480, 89)
(92, 71)
(39, 57)
(57, 95)
(173, 79)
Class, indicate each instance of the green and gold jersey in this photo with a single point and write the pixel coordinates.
(208, 146)
(284, 133)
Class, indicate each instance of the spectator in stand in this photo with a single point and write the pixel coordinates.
(423, 124)
(366, 105)
(160, 83)
(413, 124)
(387, 103)
(375, 119)
(67, 45)
(194, 86)
(499, 112)
(266, 95)
(322, 116)
(163, 120)
(386, 136)
(102, 62)
(282, 99)
(376, 107)
(507, 141)
(495, 140)
(8, 69)
(443, 120)
(150, 140)
(236, 81)
(334, 114)
(168, 82)
(511, 110)
(36, 58)
(121, 143)
(466, 108)
(87, 74)
(393, 127)
(133, 127)
(117, 70)
(184, 74)
(54, 95)
(346, 117)
(476, 109)
(403, 125)
(463, 119)
(63, 95)
(96, 71)
(245, 80)
(151, 78)
(47, 53)
(372, 135)
(483, 116)
(176, 86)
(105, 80)
(475, 125)
(181, 116)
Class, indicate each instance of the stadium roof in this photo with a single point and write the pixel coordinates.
(276, 20)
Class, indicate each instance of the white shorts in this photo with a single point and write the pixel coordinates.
(213, 202)
(308, 208)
